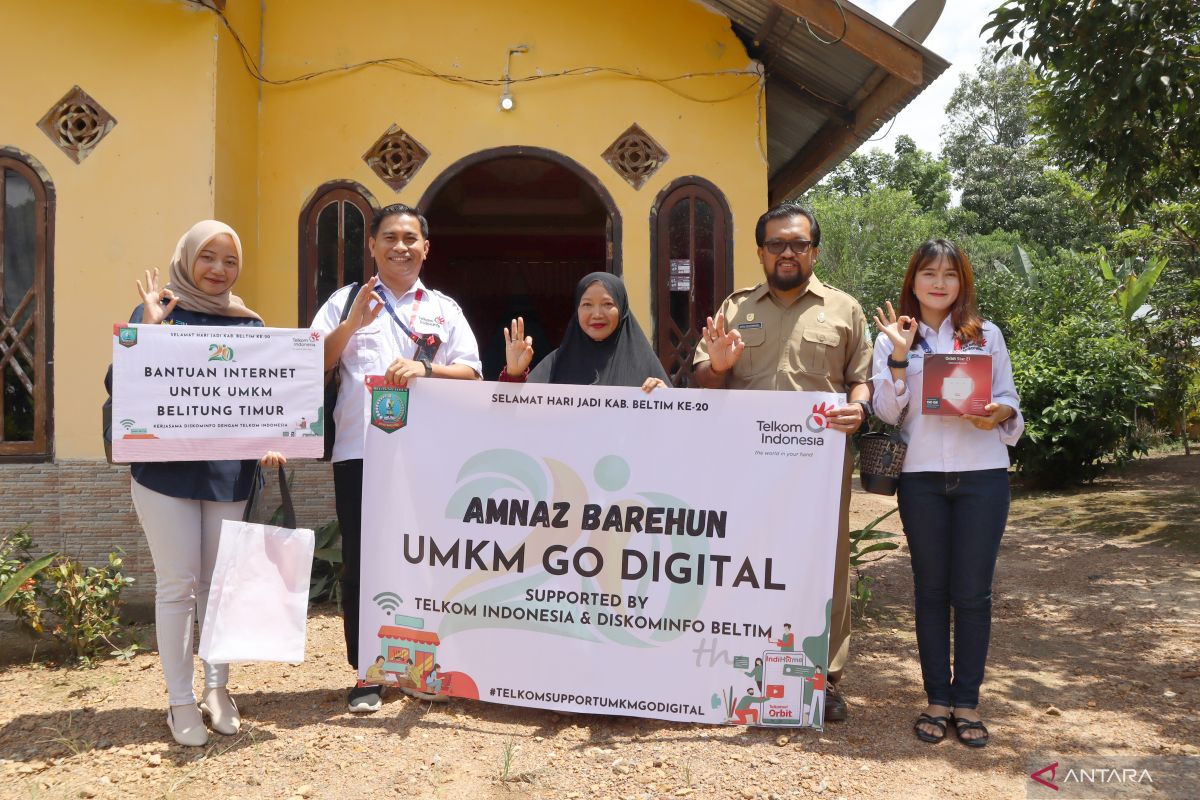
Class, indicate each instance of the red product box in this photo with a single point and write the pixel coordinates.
(956, 383)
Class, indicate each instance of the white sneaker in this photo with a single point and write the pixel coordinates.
(222, 711)
(365, 697)
(187, 725)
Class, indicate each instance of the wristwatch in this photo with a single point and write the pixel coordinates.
(428, 367)
(894, 364)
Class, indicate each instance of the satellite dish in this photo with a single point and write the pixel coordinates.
(918, 19)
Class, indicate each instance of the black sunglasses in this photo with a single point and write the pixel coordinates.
(776, 246)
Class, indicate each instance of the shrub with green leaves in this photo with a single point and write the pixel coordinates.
(1080, 382)
(86, 602)
(19, 578)
(1081, 378)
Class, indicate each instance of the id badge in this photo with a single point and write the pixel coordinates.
(427, 346)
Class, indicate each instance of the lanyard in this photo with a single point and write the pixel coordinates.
(412, 317)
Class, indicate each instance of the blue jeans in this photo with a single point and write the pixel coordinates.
(953, 521)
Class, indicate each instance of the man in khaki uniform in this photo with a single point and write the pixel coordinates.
(794, 333)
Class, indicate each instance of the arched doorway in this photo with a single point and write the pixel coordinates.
(333, 242)
(512, 230)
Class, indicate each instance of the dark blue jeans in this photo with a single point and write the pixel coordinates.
(953, 521)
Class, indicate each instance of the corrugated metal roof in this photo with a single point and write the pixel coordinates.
(813, 86)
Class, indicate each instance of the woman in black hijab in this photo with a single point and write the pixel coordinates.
(605, 346)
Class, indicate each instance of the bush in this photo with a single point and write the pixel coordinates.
(1080, 385)
(16, 548)
(1081, 378)
(86, 601)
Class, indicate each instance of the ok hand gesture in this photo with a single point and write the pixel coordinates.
(153, 311)
(362, 313)
(518, 348)
(724, 347)
(901, 331)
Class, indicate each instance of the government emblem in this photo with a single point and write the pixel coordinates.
(389, 404)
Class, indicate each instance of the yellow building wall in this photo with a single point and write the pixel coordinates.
(235, 139)
(197, 136)
(151, 65)
(317, 130)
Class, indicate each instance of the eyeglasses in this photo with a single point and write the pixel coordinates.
(776, 246)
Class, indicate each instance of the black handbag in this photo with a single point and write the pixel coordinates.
(881, 457)
(333, 384)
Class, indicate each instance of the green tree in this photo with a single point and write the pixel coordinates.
(1170, 323)
(910, 169)
(1003, 169)
(1080, 376)
(1116, 91)
(866, 240)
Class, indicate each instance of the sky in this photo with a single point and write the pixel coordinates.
(955, 38)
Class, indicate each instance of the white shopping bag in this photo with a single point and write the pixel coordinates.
(258, 599)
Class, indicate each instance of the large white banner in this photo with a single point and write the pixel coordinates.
(191, 392)
(602, 550)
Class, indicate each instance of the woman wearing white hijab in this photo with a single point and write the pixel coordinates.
(181, 504)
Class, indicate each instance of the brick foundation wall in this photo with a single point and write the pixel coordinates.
(82, 508)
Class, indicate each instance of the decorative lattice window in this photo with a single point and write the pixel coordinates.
(396, 157)
(26, 235)
(77, 123)
(635, 156)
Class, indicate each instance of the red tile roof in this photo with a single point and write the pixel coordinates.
(408, 634)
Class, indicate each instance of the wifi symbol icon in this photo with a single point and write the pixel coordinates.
(388, 601)
(126, 424)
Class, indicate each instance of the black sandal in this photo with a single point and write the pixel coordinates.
(937, 722)
(962, 725)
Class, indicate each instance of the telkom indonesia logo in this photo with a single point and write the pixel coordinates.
(818, 420)
(1037, 776)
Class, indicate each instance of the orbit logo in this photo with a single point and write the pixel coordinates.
(818, 420)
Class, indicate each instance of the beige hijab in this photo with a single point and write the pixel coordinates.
(191, 297)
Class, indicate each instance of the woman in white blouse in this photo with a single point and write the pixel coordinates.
(953, 493)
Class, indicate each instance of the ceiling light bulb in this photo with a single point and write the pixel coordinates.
(506, 102)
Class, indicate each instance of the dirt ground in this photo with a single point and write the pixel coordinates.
(1095, 651)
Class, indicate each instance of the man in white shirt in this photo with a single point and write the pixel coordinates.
(398, 328)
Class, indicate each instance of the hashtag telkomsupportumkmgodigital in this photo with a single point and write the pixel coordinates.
(594, 701)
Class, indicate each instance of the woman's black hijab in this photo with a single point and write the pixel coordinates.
(623, 359)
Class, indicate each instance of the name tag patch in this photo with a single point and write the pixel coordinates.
(744, 325)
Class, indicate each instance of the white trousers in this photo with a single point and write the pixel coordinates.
(183, 536)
